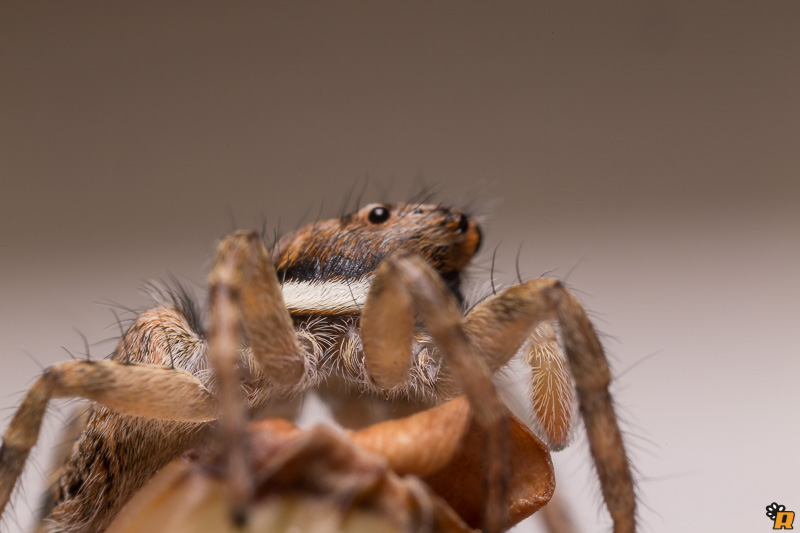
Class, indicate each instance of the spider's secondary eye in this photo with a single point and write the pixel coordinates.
(378, 215)
(463, 224)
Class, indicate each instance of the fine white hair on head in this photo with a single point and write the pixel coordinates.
(333, 297)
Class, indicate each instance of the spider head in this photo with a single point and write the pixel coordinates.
(350, 248)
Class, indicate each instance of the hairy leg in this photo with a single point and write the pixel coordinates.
(405, 286)
(97, 477)
(501, 324)
(118, 453)
(245, 294)
(552, 389)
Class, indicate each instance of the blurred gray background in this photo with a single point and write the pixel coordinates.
(648, 151)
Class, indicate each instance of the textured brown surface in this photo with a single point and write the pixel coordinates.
(304, 480)
(530, 486)
(347, 475)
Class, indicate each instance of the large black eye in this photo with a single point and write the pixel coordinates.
(378, 215)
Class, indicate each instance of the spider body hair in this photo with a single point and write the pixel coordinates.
(325, 269)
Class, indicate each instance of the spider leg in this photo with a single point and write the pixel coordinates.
(497, 326)
(243, 274)
(592, 377)
(133, 389)
(104, 469)
(551, 389)
(387, 327)
(502, 323)
(404, 285)
(116, 453)
(244, 290)
(69, 434)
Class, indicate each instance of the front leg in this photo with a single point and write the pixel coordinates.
(244, 291)
(496, 329)
(405, 285)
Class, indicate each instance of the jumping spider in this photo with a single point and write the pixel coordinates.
(363, 306)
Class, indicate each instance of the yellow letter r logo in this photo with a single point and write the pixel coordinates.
(783, 520)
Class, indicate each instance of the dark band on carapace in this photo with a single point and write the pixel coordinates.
(350, 248)
(334, 268)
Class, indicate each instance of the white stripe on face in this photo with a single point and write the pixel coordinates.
(326, 297)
